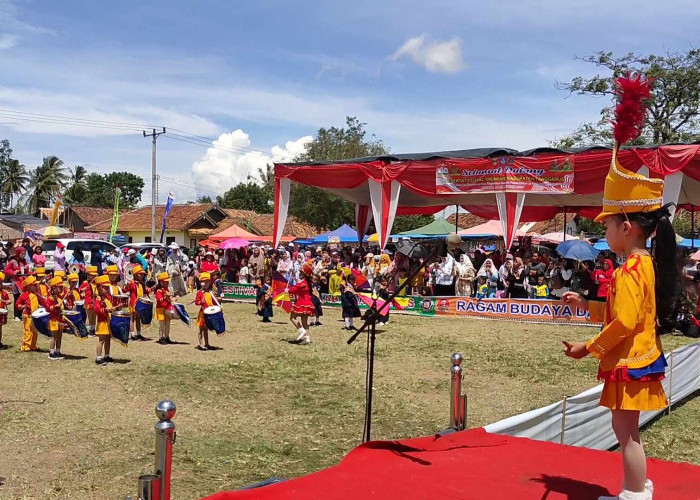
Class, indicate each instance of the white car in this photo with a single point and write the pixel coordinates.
(87, 246)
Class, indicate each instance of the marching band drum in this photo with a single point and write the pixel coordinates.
(119, 326)
(214, 319)
(40, 318)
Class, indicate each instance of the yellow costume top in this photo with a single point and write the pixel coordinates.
(629, 336)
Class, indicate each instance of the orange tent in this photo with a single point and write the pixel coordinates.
(235, 231)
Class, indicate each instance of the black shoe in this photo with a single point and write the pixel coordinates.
(163, 341)
(58, 355)
(53, 356)
(168, 341)
(318, 323)
(140, 337)
(100, 361)
(266, 321)
(352, 328)
(200, 348)
(109, 359)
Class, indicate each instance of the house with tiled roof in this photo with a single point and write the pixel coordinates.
(263, 224)
(186, 225)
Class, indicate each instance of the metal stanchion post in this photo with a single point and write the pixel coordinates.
(456, 403)
(165, 438)
(149, 487)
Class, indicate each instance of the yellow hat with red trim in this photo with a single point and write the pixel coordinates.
(29, 280)
(40, 271)
(56, 281)
(73, 277)
(137, 269)
(102, 280)
(627, 192)
(60, 273)
(164, 276)
(91, 269)
(205, 277)
(112, 270)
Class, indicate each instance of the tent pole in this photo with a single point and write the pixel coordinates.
(564, 230)
(692, 227)
(456, 218)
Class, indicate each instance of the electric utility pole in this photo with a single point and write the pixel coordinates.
(154, 188)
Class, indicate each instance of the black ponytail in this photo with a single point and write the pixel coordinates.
(667, 265)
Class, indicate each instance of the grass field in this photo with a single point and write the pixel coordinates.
(262, 407)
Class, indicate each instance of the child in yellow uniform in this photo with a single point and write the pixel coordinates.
(28, 302)
(640, 301)
(54, 306)
(72, 294)
(102, 305)
(42, 288)
(204, 298)
(88, 292)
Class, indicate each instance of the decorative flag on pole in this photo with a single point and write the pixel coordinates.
(54, 214)
(168, 207)
(115, 216)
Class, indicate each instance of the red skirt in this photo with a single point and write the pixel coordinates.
(303, 310)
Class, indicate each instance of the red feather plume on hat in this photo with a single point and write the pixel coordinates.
(632, 93)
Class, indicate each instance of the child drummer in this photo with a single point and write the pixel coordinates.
(114, 288)
(164, 304)
(102, 304)
(72, 294)
(42, 287)
(28, 302)
(205, 298)
(88, 292)
(54, 306)
(136, 290)
(4, 304)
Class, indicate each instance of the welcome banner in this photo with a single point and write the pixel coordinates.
(530, 311)
(506, 174)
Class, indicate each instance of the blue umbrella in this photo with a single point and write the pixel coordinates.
(601, 244)
(577, 249)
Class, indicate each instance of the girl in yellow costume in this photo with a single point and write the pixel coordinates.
(641, 296)
(28, 302)
(103, 310)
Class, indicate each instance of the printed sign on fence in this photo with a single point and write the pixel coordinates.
(536, 311)
(506, 174)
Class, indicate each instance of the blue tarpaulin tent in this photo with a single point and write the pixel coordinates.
(344, 234)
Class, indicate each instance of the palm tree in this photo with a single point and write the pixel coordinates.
(13, 178)
(77, 191)
(46, 182)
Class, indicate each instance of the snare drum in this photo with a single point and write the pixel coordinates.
(121, 300)
(3, 316)
(76, 323)
(144, 306)
(119, 326)
(181, 312)
(214, 319)
(40, 318)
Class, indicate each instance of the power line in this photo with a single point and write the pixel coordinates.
(137, 125)
(203, 143)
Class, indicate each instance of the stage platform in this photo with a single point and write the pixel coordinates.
(474, 464)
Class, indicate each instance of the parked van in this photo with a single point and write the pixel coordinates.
(87, 246)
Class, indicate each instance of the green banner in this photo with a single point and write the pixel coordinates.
(115, 217)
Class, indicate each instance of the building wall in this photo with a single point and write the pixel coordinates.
(181, 237)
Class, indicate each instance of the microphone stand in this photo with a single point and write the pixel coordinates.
(371, 317)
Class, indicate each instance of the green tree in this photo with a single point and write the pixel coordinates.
(13, 179)
(46, 183)
(77, 192)
(320, 208)
(267, 176)
(101, 189)
(5, 152)
(246, 196)
(674, 109)
(203, 199)
(408, 222)
(589, 227)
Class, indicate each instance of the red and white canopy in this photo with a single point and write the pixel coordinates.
(500, 183)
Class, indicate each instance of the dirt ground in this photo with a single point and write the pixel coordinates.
(260, 406)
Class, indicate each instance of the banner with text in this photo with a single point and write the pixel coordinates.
(506, 174)
(536, 311)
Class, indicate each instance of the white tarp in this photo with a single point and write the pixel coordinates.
(579, 421)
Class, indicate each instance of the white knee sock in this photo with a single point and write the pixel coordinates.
(348, 322)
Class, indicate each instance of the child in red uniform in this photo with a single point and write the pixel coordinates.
(136, 290)
(163, 305)
(88, 292)
(303, 307)
(4, 304)
(72, 294)
(42, 288)
(102, 304)
(205, 298)
(54, 306)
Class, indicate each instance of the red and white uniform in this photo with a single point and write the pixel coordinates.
(302, 304)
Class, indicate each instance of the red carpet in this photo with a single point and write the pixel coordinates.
(474, 464)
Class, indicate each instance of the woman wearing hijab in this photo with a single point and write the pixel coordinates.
(176, 267)
(465, 273)
(79, 258)
(488, 269)
(516, 280)
(297, 266)
(256, 264)
(285, 264)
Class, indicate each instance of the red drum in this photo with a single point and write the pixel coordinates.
(3, 316)
(121, 300)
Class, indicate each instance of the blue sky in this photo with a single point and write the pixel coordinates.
(266, 75)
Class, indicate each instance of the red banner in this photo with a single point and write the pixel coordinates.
(554, 174)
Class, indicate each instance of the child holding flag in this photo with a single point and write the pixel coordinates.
(102, 304)
(263, 299)
(303, 307)
(87, 293)
(163, 305)
(136, 290)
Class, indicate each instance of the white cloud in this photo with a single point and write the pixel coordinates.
(434, 55)
(7, 41)
(228, 162)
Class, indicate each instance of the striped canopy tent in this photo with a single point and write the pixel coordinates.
(234, 231)
(495, 183)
